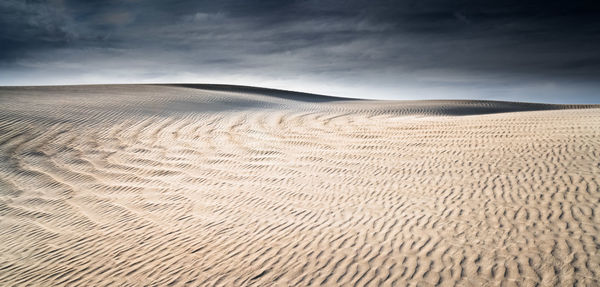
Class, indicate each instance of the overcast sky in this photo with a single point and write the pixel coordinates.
(543, 51)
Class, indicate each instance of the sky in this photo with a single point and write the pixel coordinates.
(535, 51)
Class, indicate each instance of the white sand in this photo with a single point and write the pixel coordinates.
(155, 185)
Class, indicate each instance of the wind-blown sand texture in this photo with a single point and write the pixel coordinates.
(132, 185)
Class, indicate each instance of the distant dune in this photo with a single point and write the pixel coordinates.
(155, 185)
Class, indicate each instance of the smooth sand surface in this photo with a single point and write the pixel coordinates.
(137, 185)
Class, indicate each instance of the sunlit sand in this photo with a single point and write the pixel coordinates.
(133, 185)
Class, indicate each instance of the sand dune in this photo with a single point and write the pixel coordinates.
(133, 185)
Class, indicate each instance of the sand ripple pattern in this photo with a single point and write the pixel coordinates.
(173, 186)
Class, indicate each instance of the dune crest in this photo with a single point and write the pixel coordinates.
(131, 185)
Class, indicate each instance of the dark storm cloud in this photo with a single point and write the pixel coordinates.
(431, 42)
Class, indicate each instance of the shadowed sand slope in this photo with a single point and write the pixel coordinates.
(195, 185)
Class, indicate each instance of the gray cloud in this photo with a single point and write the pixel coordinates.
(426, 47)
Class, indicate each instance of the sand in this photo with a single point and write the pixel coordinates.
(137, 185)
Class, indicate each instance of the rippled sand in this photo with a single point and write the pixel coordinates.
(217, 185)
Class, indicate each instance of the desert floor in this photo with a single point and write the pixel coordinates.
(131, 185)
